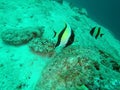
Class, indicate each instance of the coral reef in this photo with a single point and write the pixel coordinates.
(21, 36)
(77, 68)
(42, 47)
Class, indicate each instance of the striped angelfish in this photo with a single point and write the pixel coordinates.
(96, 32)
(65, 37)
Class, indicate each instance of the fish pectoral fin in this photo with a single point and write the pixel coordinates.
(101, 35)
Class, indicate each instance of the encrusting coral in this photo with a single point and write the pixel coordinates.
(75, 69)
(21, 36)
(42, 47)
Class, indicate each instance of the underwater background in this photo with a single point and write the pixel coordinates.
(105, 12)
(54, 45)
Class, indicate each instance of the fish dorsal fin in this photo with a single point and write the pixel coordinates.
(57, 33)
(54, 33)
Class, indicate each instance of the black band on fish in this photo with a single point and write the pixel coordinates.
(60, 35)
(98, 33)
(71, 39)
(92, 31)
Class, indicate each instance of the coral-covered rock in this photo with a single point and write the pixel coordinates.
(42, 47)
(20, 36)
(75, 68)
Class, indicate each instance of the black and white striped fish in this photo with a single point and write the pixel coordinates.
(65, 37)
(96, 32)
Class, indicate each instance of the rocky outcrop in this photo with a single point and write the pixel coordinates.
(42, 47)
(75, 68)
(20, 36)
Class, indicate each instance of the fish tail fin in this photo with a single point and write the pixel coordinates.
(101, 35)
